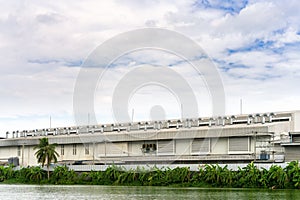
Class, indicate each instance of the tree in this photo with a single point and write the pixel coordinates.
(46, 153)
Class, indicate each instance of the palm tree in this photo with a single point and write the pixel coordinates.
(46, 153)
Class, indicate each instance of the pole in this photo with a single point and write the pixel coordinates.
(50, 121)
(132, 115)
(181, 109)
(28, 150)
(255, 140)
(273, 146)
(241, 106)
(105, 151)
(23, 155)
(93, 153)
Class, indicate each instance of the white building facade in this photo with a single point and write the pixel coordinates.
(230, 139)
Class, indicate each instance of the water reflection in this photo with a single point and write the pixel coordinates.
(33, 192)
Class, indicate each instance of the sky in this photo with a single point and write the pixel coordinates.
(255, 46)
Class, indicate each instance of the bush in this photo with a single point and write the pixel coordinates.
(207, 176)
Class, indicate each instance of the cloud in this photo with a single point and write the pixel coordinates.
(49, 18)
(229, 6)
(255, 45)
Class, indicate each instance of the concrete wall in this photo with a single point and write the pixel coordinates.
(112, 149)
(193, 167)
(134, 148)
(183, 147)
(296, 121)
(24, 153)
(281, 127)
(219, 146)
(29, 156)
(7, 152)
(75, 152)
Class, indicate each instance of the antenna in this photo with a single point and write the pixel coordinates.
(132, 114)
(50, 121)
(241, 106)
(181, 109)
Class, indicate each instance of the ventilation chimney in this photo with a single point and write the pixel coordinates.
(249, 120)
(232, 118)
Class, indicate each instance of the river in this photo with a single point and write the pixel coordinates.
(37, 192)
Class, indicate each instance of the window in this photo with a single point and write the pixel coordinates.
(200, 146)
(165, 147)
(19, 150)
(62, 149)
(87, 149)
(237, 144)
(74, 149)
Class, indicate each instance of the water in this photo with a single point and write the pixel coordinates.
(52, 192)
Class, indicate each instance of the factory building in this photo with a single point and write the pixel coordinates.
(265, 137)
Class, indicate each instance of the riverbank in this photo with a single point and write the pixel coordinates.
(250, 176)
(62, 192)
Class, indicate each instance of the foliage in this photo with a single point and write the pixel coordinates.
(62, 175)
(35, 174)
(250, 176)
(6, 173)
(293, 173)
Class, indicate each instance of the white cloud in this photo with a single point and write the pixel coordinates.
(42, 42)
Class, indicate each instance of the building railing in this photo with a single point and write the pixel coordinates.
(155, 125)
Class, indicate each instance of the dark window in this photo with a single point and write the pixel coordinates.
(19, 150)
(62, 149)
(87, 149)
(74, 149)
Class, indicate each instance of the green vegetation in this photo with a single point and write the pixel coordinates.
(46, 153)
(207, 176)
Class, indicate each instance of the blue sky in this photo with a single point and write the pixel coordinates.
(254, 44)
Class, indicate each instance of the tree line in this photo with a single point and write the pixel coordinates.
(209, 175)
